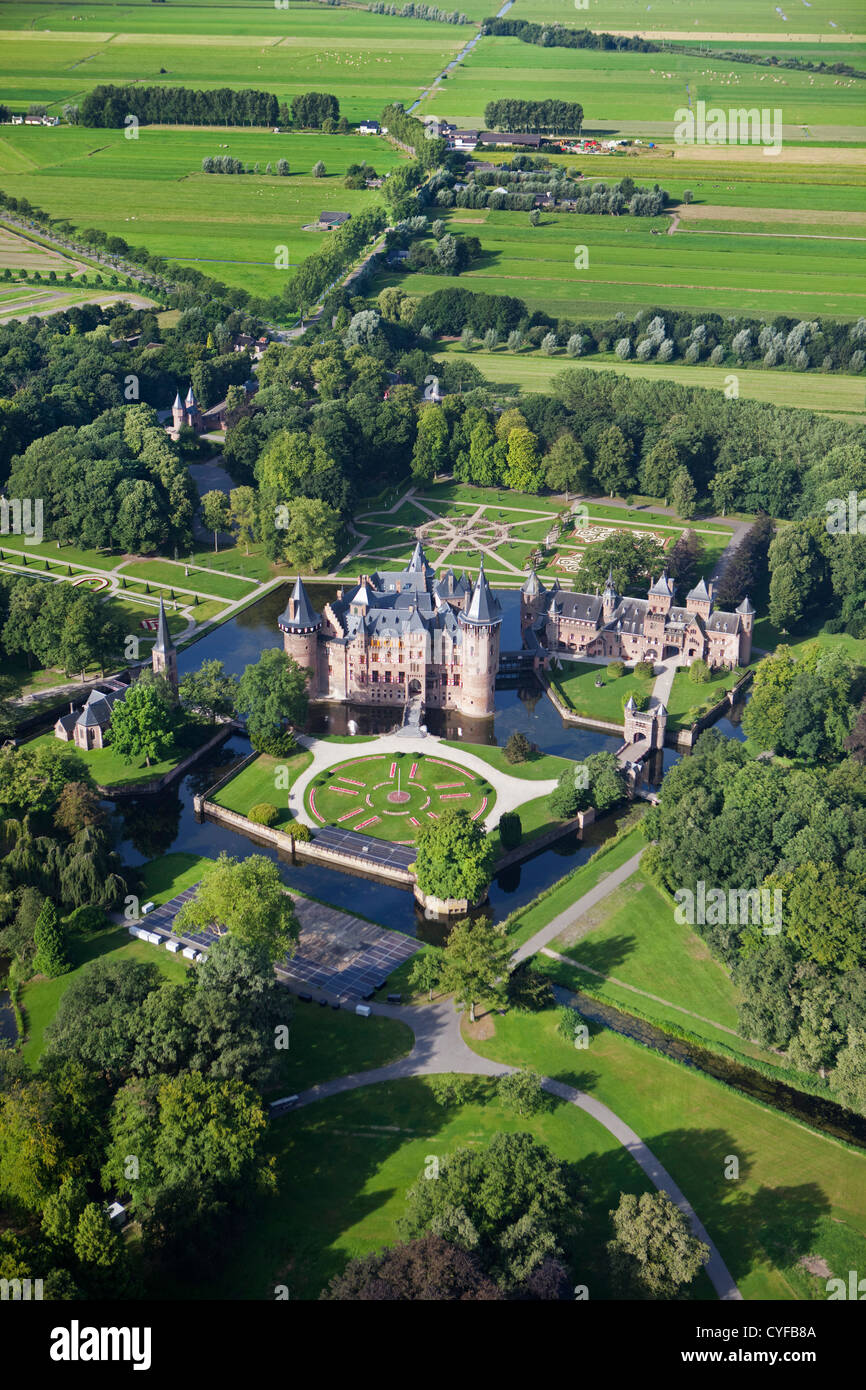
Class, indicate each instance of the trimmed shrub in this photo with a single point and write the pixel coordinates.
(510, 830)
(300, 832)
(263, 814)
(699, 672)
(615, 669)
(644, 669)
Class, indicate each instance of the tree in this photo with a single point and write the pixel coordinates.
(142, 723)
(517, 747)
(824, 913)
(565, 465)
(216, 514)
(431, 452)
(454, 857)
(510, 1204)
(510, 829)
(683, 493)
(848, 1077)
(426, 971)
(50, 958)
(310, 539)
(523, 472)
(521, 1091)
(534, 217)
(272, 693)
(96, 1243)
(243, 513)
(98, 1019)
(199, 1144)
(319, 170)
(209, 690)
(653, 1253)
(570, 794)
(428, 1269)
(78, 806)
(247, 898)
(476, 959)
(612, 464)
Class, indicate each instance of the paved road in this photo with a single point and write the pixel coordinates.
(589, 900)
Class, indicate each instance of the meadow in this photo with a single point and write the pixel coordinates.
(647, 88)
(629, 268)
(532, 371)
(151, 191)
(739, 17)
(366, 60)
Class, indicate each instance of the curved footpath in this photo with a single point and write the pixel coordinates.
(511, 792)
(439, 1047)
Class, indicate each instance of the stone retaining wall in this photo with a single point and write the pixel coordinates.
(160, 783)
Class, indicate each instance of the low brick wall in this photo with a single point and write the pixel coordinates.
(303, 849)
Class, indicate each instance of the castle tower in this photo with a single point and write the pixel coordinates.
(480, 625)
(533, 601)
(647, 723)
(177, 413)
(609, 598)
(191, 411)
(661, 594)
(300, 625)
(747, 620)
(163, 658)
(700, 599)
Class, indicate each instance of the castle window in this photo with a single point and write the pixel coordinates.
(374, 677)
(387, 677)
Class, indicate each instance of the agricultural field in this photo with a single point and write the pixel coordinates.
(392, 796)
(366, 60)
(740, 18)
(629, 268)
(639, 87)
(151, 191)
(533, 371)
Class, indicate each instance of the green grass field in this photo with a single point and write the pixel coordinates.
(109, 769)
(40, 997)
(798, 1193)
(575, 684)
(688, 700)
(629, 268)
(635, 87)
(365, 59)
(392, 796)
(257, 783)
(151, 191)
(739, 17)
(531, 371)
(344, 1165)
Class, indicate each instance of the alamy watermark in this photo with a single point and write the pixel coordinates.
(21, 517)
(736, 126)
(732, 907)
(846, 515)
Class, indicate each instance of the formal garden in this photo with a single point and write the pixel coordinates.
(393, 795)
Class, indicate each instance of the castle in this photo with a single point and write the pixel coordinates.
(87, 727)
(398, 636)
(636, 629)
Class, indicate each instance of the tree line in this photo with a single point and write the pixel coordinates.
(550, 117)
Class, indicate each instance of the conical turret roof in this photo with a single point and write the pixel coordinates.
(483, 606)
(163, 641)
(305, 614)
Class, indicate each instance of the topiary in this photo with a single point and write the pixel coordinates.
(615, 669)
(644, 670)
(263, 814)
(299, 831)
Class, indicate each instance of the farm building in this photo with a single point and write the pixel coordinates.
(328, 220)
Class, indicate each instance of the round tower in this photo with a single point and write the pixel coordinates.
(747, 618)
(300, 625)
(480, 626)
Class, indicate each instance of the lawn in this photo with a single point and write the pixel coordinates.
(575, 683)
(526, 921)
(532, 371)
(324, 1044)
(152, 192)
(344, 1165)
(539, 767)
(256, 783)
(393, 795)
(633, 935)
(798, 1192)
(687, 700)
(199, 581)
(40, 998)
(109, 769)
(166, 877)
